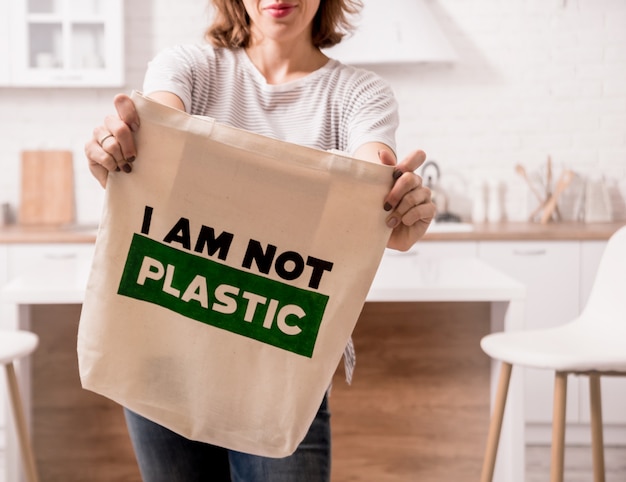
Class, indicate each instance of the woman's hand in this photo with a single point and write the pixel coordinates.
(409, 201)
(112, 147)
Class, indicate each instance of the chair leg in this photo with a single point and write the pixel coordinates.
(597, 439)
(558, 427)
(28, 458)
(495, 427)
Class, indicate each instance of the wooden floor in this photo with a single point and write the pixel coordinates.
(417, 409)
(78, 436)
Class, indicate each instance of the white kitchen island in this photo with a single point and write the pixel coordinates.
(406, 277)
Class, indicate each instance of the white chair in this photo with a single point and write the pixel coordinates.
(13, 346)
(594, 344)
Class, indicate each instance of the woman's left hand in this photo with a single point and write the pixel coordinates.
(409, 201)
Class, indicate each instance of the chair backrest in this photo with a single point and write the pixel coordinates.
(607, 301)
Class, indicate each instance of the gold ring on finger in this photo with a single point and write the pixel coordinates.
(104, 139)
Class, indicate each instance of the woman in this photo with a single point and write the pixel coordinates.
(262, 70)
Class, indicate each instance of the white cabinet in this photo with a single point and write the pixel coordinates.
(62, 43)
(450, 249)
(24, 257)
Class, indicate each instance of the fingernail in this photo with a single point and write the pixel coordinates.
(134, 127)
(126, 168)
(397, 173)
(131, 159)
(388, 207)
(392, 222)
(117, 169)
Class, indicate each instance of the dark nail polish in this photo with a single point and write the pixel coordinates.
(131, 159)
(388, 207)
(117, 169)
(127, 168)
(397, 174)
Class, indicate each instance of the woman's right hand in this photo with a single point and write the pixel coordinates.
(112, 146)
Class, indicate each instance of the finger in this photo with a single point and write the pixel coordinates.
(386, 157)
(97, 154)
(422, 212)
(100, 163)
(125, 108)
(110, 144)
(416, 197)
(122, 127)
(404, 184)
(412, 161)
(121, 144)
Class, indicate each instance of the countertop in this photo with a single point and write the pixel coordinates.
(402, 277)
(523, 231)
(437, 232)
(18, 234)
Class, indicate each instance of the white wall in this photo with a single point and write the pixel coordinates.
(534, 78)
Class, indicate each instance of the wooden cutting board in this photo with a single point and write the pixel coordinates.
(47, 188)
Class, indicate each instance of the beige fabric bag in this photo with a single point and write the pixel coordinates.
(229, 272)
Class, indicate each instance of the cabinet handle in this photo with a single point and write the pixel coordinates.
(60, 255)
(529, 252)
(67, 78)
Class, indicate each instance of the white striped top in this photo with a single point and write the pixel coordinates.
(336, 107)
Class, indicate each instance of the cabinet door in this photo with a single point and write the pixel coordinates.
(550, 271)
(23, 257)
(450, 249)
(66, 43)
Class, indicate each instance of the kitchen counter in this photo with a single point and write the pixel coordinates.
(18, 234)
(437, 232)
(522, 231)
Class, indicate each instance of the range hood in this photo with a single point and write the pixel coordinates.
(398, 31)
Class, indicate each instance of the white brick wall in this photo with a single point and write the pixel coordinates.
(534, 78)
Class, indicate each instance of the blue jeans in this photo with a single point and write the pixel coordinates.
(164, 456)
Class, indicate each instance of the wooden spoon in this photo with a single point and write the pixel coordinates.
(522, 172)
(566, 178)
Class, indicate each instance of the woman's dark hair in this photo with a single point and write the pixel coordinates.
(231, 24)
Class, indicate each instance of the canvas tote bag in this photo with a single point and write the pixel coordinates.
(229, 272)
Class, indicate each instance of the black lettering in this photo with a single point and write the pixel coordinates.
(319, 266)
(281, 268)
(180, 233)
(147, 219)
(207, 238)
(263, 259)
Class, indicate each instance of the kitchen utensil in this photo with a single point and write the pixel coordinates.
(522, 172)
(47, 188)
(557, 213)
(561, 185)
